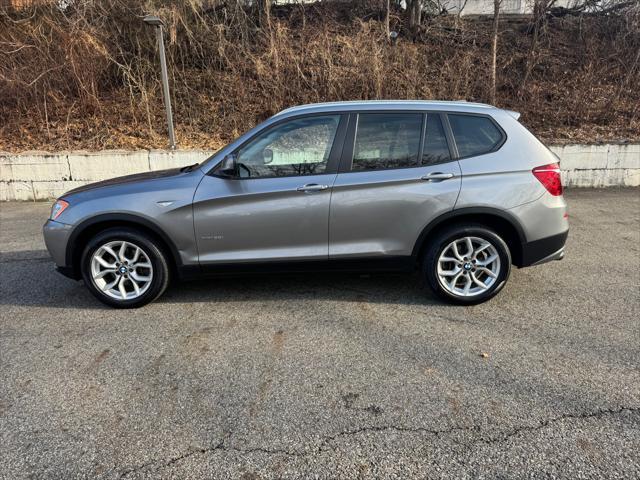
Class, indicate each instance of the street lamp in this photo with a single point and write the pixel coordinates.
(158, 23)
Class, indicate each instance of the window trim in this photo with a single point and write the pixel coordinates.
(341, 155)
(497, 147)
(453, 152)
(348, 149)
(346, 165)
(334, 154)
(453, 147)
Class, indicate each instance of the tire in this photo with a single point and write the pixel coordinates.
(145, 262)
(450, 281)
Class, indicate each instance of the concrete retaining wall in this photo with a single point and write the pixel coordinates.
(44, 176)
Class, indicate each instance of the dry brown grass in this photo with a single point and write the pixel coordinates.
(87, 77)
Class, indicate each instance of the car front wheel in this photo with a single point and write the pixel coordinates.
(467, 264)
(124, 268)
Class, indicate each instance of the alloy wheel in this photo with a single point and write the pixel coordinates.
(468, 266)
(121, 270)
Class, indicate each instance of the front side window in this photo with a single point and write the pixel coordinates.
(474, 135)
(297, 147)
(387, 140)
(436, 149)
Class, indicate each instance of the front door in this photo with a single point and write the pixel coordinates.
(398, 174)
(277, 206)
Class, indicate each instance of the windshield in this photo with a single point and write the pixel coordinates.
(209, 162)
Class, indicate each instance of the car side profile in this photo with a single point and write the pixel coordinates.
(458, 192)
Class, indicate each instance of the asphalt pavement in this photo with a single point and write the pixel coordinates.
(327, 376)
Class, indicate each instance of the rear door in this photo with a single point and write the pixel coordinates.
(397, 174)
(277, 207)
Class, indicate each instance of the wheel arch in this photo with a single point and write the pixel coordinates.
(90, 227)
(504, 223)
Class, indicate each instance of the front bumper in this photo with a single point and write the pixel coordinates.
(56, 238)
(544, 250)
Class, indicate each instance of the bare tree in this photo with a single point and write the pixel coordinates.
(462, 7)
(414, 12)
(540, 9)
(387, 14)
(459, 12)
(494, 49)
(264, 13)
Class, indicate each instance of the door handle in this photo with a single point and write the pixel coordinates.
(312, 187)
(436, 176)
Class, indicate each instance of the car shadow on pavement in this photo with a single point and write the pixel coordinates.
(401, 288)
(29, 279)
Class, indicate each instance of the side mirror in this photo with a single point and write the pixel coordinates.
(228, 167)
(267, 156)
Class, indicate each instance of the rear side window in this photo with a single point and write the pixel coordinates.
(436, 149)
(474, 135)
(387, 140)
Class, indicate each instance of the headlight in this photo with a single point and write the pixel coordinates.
(58, 207)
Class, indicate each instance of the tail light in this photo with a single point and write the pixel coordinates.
(549, 177)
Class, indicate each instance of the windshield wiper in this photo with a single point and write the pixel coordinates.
(189, 168)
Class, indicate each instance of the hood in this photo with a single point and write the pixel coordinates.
(137, 177)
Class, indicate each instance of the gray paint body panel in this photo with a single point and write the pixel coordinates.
(138, 196)
(261, 219)
(383, 212)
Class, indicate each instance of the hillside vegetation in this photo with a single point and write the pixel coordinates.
(88, 77)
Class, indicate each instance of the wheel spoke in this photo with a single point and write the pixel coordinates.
(478, 282)
(140, 278)
(449, 273)
(481, 248)
(123, 291)
(122, 251)
(141, 265)
(488, 260)
(104, 263)
(487, 271)
(449, 259)
(135, 255)
(102, 273)
(467, 285)
(109, 286)
(469, 247)
(136, 287)
(452, 285)
(454, 247)
(110, 251)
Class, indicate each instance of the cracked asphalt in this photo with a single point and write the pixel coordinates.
(328, 376)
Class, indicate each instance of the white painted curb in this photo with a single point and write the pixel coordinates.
(44, 176)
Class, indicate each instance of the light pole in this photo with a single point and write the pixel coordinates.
(158, 23)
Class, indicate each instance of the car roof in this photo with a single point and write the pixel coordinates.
(455, 106)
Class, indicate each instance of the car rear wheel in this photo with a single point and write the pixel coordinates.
(124, 268)
(467, 264)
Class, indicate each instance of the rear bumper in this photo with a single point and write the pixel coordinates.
(544, 250)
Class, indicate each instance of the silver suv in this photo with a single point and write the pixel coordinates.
(456, 191)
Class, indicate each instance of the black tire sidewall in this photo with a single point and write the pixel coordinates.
(447, 236)
(150, 247)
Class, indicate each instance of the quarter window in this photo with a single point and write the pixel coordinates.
(474, 135)
(297, 147)
(387, 140)
(436, 149)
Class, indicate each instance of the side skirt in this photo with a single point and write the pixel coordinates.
(372, 264)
